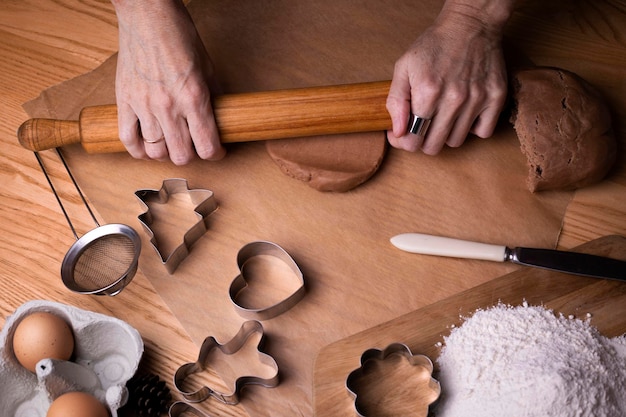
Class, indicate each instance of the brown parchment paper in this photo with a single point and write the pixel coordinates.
(355, 279)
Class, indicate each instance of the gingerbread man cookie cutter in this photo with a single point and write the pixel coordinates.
(205, 205)
(245, 255)
(247, 330)
(181, 408)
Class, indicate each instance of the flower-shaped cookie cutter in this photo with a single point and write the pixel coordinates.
(427, 393)
(247, 330)
(245, 255)
(205, 204)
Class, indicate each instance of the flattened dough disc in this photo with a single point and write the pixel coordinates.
(330, 163)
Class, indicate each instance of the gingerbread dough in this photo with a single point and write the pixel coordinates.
(564, 128)
(330, 163)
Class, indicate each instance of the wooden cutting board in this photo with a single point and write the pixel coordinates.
(422, 329)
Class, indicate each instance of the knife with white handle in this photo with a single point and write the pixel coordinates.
(556, 260)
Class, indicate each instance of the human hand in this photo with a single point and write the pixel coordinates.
(455, 75)
(163, 84)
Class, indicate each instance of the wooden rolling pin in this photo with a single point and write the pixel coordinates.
(242, 117)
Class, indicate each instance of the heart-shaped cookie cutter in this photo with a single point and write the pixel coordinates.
(205, 205)
(432, 385)
(246, 253)
(248, 329)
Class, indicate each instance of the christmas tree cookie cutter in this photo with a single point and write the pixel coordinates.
(205, 205)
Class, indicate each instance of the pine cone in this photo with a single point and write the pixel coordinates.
(148, 395)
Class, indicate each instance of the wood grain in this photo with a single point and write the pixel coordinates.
(588, 38)
(28, 255)
(423, 330)
(336, 239)
(41, 44)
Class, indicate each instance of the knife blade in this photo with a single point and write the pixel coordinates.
(556, 260)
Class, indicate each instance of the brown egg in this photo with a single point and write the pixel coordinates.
(42, 335)
(77, 404)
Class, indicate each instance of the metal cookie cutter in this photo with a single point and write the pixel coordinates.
(423, 396)
(180, 408)
(245, 254)
(247, 329)
(205, 205)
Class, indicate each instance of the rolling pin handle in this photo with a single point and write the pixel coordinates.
(41, 134)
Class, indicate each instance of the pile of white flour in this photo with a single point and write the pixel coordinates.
(526, 361)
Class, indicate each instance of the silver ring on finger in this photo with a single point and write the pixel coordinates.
(418, 125)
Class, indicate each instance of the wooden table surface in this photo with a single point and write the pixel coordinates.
(44, 42)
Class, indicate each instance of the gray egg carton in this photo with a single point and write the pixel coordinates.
(106, 355)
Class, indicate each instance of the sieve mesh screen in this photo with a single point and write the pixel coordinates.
(104, 261)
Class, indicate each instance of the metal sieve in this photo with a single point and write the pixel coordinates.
(102, 261)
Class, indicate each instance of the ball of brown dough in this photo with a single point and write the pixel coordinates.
(564, 128)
